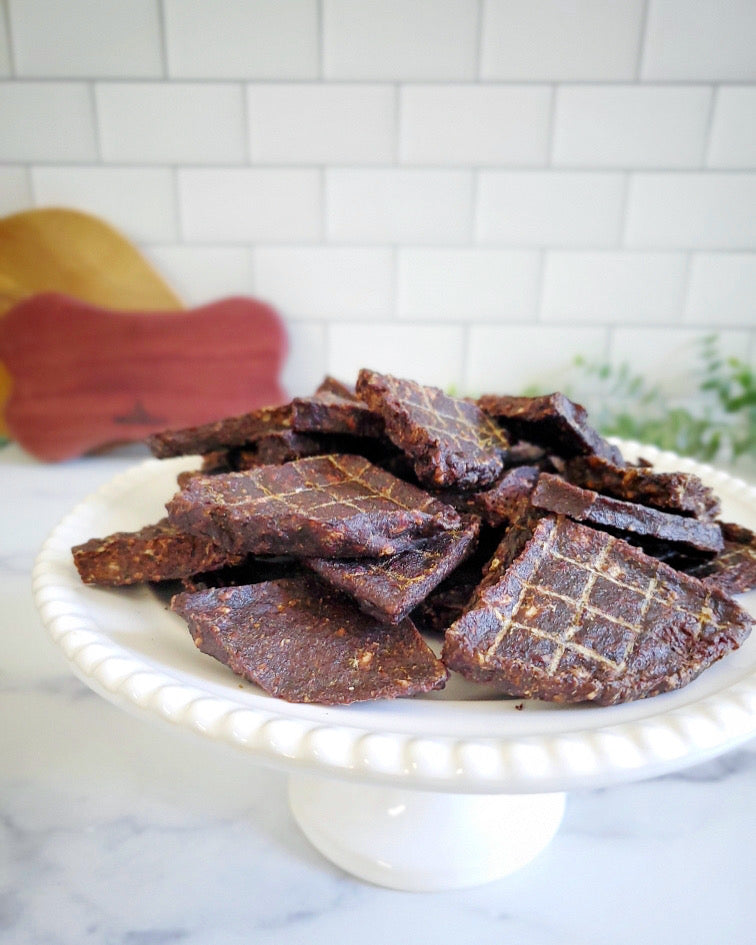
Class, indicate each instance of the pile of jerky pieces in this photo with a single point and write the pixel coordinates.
(319, 537)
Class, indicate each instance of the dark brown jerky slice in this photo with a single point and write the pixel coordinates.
(332, 385)
(673, 492)
(300, 641)
(251, 570)
(552, 421)
(222, 434)
(451, 442)
(329, 412)
(585, 505)
(582, 616)
(159, 552)
(502, 502)
(389, 588)
(734, 569)
(323, 506)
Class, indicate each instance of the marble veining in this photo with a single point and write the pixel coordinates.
(119, 832)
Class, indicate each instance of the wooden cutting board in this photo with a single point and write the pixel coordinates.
(84, 377)
(61, 250)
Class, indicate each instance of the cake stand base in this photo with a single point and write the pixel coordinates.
(421, 841)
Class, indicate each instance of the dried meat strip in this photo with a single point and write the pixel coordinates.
(159, 552)
(323, 506)
(584, 505)
(451, 442)
(222, 434)
(734, 569)
(389, 588)
(502, 502)
(581, 615)
(552, 421)
(672, 492)
(329, 412)
(302, 642)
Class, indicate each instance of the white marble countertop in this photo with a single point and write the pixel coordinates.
(115, 831)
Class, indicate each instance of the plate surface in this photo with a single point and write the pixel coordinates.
(127, 646)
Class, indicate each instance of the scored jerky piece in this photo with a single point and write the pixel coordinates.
(552, 421)
(251, 570)
(734, 569)
(451, 442)
(584, 505)
(502, 502)
(300, 641)
(324, 506)
(159, 552)
(582, 616)
(673, 492)
(389, 588)
(329, 412)
(222, 434)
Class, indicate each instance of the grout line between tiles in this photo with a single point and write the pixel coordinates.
(713, 101)
(641, 40)
(92, 87)
(478, 71)
(163, 38)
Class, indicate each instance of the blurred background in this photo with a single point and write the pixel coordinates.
(473, 193)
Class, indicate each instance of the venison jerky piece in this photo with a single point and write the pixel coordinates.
(678, 492)
(323, 506)
(300, 641)
(585, 505)
(582, 616)
(251, 570)
(734, 569)
(503, 501)
(450, 442)
(329, 412)
(333, 385)
(389, 588)
(552, 421)
(159, 552)
(222, 434)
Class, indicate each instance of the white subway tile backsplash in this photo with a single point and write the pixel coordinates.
(691, 210)
(242, 39)
(86, 38)
(306, 363)
(611, 287)
(176, 122)
(700, 40)
(510, 359)
(402, 205)
(394, 39)
(630, 125)
(246, 204)
(722, 289)
(549, 208)
(733, 130)
(318, 123)
(669, 358)
(474, 124)
(431, 354)
(553, 40)
(330, 282)
(138, 201)
(15, 192)
(201, 274)
(46, 121)
(468, 284)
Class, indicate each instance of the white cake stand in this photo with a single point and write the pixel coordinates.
(447, 790)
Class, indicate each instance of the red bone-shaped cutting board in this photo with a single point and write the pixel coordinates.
(84, 377)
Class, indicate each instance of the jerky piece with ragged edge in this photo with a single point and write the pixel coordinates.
(679, 492)
(552, 421)
(159, 552)
(222, 434)
(451, 442)
(389, 588)
(303, 642)
(502, 502)
(324, 506)
(329, 412)
(734, 569)
(251, 570)
(584, 505)
(581, 615)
